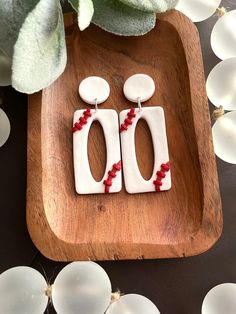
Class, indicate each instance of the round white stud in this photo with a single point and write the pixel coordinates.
(94, 89)
(198, 10)
(81, 288)
(5, 69)
(22, 290)
(132, 304)
(223, 38)
(220, 299)
(5, 128)
(220, 84)
(139, 86)
(224, 137)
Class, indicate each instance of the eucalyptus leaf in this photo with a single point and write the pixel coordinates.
(40, 51)
(118, 18)
(74, 4)
(5, 69)
(151, 5)
(85, 13)
(12, 16)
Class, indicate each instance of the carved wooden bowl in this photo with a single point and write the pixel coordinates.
(185, 221)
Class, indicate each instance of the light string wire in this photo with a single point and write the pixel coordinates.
(221, 11)
(115, 296)
(219, 112)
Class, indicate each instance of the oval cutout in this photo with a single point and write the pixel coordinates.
(144, 149)
(97, 151)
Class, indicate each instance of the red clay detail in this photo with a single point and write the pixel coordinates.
(158, 182)
(123, 127)
(78, 126)
(87, 113)
(161, 174)
(117, 167)
(131, 114)
(128, 121)
(83, 120)
(165, 167)
(108, 182)
(111, 175)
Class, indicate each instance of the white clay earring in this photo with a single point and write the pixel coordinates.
(139, 88)
(95, 90)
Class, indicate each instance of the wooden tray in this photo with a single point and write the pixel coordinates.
(185, 221)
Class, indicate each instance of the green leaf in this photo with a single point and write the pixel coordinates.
(40, 51)
(5, 69)
(120, 19)
(12, 16)
(74, 4)
(85, 13)
(151, 5)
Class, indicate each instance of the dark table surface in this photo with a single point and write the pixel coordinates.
(176, 286)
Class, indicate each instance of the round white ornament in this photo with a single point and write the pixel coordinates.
(198, 10)
(81, 288)
(5, 128)
(223, 38)
(5, 70)
(132, 304)
(220, 84)
(220, 300)
(22, 290)
(139, 86)
(94, 89)
(224, 137)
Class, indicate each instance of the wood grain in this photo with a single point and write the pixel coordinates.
(184, 221)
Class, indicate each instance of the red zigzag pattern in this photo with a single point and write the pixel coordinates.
(78, 126)
(111, 176)
(128, 121)
(161, 174)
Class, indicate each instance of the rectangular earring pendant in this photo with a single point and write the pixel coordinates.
(161, 177)
(84, 181)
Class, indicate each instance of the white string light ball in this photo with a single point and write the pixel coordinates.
(81, 288)
(224, 137)
(5, 127)
(132, 304)
(22, 291)
(220, 300)
(221, 84)
(198, 10)
(5, 70)
(223, 36)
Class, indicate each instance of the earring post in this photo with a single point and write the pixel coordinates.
(96, 104)
(139, 104)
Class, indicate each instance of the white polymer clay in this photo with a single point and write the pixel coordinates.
(134, 182)
(84, 181)
(139, 86)
(94, 89)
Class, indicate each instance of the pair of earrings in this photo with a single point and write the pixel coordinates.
(120, 139)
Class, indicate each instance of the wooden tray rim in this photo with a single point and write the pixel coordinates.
(212, 212)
